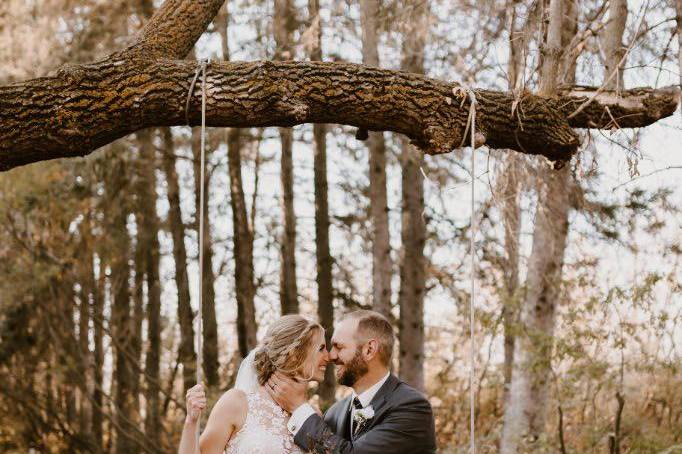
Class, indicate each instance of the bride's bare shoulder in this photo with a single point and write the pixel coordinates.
(232, 407)
(233, 400)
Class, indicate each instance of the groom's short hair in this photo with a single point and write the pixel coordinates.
(373, 325)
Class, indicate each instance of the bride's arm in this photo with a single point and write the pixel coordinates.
(226, 418)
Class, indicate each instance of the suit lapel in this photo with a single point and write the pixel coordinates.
(378, 403)
(343, 419)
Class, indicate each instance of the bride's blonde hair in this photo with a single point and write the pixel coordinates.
(285, 347)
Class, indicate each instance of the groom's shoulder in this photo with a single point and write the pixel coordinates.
(405, 394)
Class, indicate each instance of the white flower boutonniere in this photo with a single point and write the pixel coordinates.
(363, 415)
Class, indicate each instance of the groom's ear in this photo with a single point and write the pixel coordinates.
(371, 349)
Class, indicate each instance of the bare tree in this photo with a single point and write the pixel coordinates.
(382, 265)
(149, 235)
(283, 26)
(243, 230)
(413, 228)
(120, 312)
(187, 354)
(524, 417)
(325, 294)
(98, 355)
(87, 293)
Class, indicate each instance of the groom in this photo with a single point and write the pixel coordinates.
(383, 414)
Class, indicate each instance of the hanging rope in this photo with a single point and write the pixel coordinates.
(471, 128)
(472, 252)
(200, 328)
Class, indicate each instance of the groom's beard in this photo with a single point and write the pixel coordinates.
(353, 369)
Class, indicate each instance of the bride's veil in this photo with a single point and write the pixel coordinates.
(247, 378)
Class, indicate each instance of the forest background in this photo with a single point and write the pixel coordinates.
(99, 256)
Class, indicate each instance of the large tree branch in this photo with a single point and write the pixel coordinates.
(83, 107)
(590, 107)
(174, 28)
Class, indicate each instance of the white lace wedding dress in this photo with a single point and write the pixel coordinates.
(264, 430)
(265, 427)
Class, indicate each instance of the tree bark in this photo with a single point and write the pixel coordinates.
(288, 289)
(382, 264)
(247, 329)
(413, 228)
(325, 293)
(524, 417)
(83, 107)
(149, 234)
(177, 229)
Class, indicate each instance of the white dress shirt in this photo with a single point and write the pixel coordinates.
(305, 411)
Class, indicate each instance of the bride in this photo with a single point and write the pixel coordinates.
(245, 419)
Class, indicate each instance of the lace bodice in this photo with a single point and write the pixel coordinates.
(264, 430)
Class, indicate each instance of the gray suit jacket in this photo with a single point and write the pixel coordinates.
(402, 423)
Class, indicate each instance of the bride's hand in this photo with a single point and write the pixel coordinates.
(287, 392)
(196, 402)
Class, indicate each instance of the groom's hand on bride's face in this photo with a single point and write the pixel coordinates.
(287, 392)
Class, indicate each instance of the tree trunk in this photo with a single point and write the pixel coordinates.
(288, 289)
(614, 51)
(137, 320)
(569, 30)
(524, 418)
(382, 265)
(84, 355)
(325, 295)
(508, 187)
(210, 327)
(98, 298)
(247, 329)
(66, 344)
(413, 229)
(120, 311)
(149, 235)
(508, 190)
(177, 229)
(243, 249)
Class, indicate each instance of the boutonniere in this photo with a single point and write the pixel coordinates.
(363, 415)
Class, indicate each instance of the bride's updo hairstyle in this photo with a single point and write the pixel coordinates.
(285, 347)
